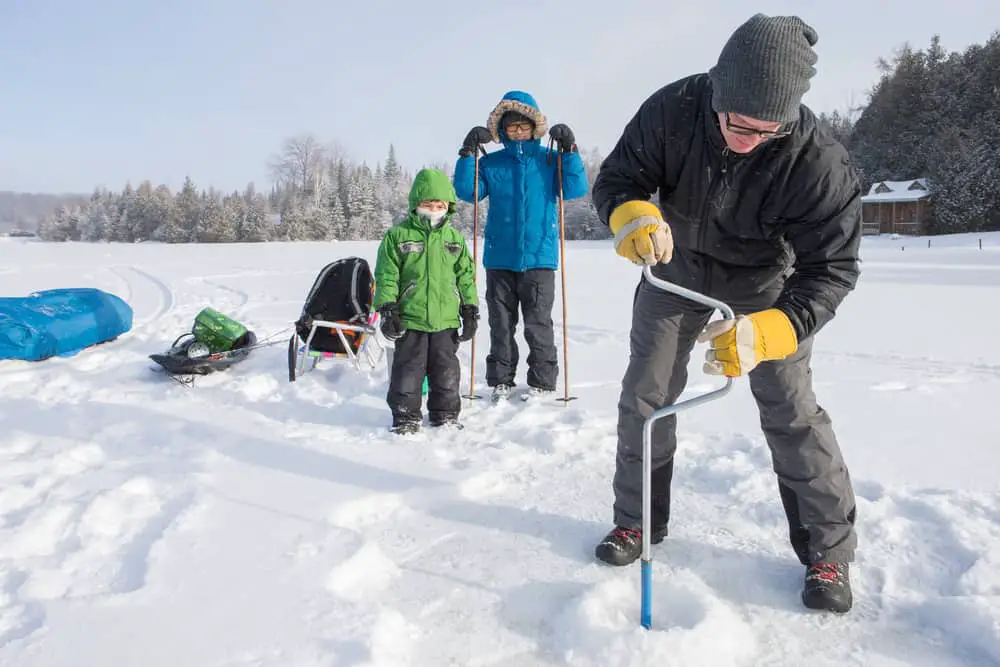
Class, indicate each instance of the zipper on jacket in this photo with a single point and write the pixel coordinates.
(406, 291)
(710, 203)
(427, 272)
(523, 190)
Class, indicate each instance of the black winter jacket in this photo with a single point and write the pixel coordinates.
(788, 211)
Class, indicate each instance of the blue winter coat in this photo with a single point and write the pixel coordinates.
(521, 180)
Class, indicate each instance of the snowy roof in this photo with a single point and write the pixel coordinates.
(897, 191)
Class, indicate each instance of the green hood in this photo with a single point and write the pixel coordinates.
(432, 184)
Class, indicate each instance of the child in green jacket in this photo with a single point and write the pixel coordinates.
(424, 290)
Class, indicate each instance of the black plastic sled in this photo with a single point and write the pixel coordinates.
(178, 360)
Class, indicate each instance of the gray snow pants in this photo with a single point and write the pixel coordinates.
(534, 293)
(813, 481)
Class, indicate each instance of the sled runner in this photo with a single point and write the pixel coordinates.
(215, 343)
(337, 319)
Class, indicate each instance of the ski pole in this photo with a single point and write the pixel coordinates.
(475, 270)
(562, 274)
(645, 609)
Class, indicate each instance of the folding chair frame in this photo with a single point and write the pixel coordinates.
(298, 354)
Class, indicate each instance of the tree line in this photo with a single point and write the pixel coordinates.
(934, 114)
(318, 195)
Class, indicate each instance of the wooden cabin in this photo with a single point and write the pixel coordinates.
(897, 207)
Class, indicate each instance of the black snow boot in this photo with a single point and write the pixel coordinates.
(448, 420)
(828, 587)
(624, 545)
(405, 426)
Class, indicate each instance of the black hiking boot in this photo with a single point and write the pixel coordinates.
(624, 545)
(405, 427)
(828, 588)
(450, 422)
(501, 392)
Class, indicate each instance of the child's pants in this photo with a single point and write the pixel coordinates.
(434, 355)
(534, 292)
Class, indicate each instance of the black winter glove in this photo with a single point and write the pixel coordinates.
(563, 136)
(476, 137)
(391, 323)
(470, 322)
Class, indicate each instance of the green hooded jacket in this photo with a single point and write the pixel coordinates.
(429, 271)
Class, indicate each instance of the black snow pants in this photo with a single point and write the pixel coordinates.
(534, 292)
(813, 481)
(420, 354)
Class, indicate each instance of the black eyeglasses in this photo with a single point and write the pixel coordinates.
(735, 128)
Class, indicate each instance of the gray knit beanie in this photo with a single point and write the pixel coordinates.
(764, 68)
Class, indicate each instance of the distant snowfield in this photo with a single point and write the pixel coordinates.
(248, 521)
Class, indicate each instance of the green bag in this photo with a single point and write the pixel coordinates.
(218, 332)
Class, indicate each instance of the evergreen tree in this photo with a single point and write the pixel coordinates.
(142, 221)
(96, 221)
(362, 206)
(188, 207)
(121, 225)
(338, 221)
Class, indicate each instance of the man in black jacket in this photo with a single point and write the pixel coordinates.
(758, 207)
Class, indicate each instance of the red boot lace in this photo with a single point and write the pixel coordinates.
(828, 572)
(629, 534)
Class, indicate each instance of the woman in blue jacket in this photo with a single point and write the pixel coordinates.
(522, 233)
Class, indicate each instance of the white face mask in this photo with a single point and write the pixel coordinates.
(436, 218)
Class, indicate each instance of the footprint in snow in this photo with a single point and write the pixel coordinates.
(934, 555)
(393, 641)
(363, 575)
(97, 546)
(257, 387)
(483, 485)
(18, 619)
(366, 511)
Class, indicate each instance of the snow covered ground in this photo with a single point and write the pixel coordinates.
(248, 521)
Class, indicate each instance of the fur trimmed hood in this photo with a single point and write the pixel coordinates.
(522, 102)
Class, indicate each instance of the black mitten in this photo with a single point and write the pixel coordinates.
(563, 136)
(470, 322)
(391, 323)
(476, 137)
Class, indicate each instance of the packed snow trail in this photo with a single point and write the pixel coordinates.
(250, 521)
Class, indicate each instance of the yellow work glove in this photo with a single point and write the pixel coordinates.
(739, 345)
(641, 235)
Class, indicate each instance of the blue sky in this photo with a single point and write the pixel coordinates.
(100, 92)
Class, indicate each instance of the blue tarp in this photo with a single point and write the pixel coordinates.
(60, 322)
